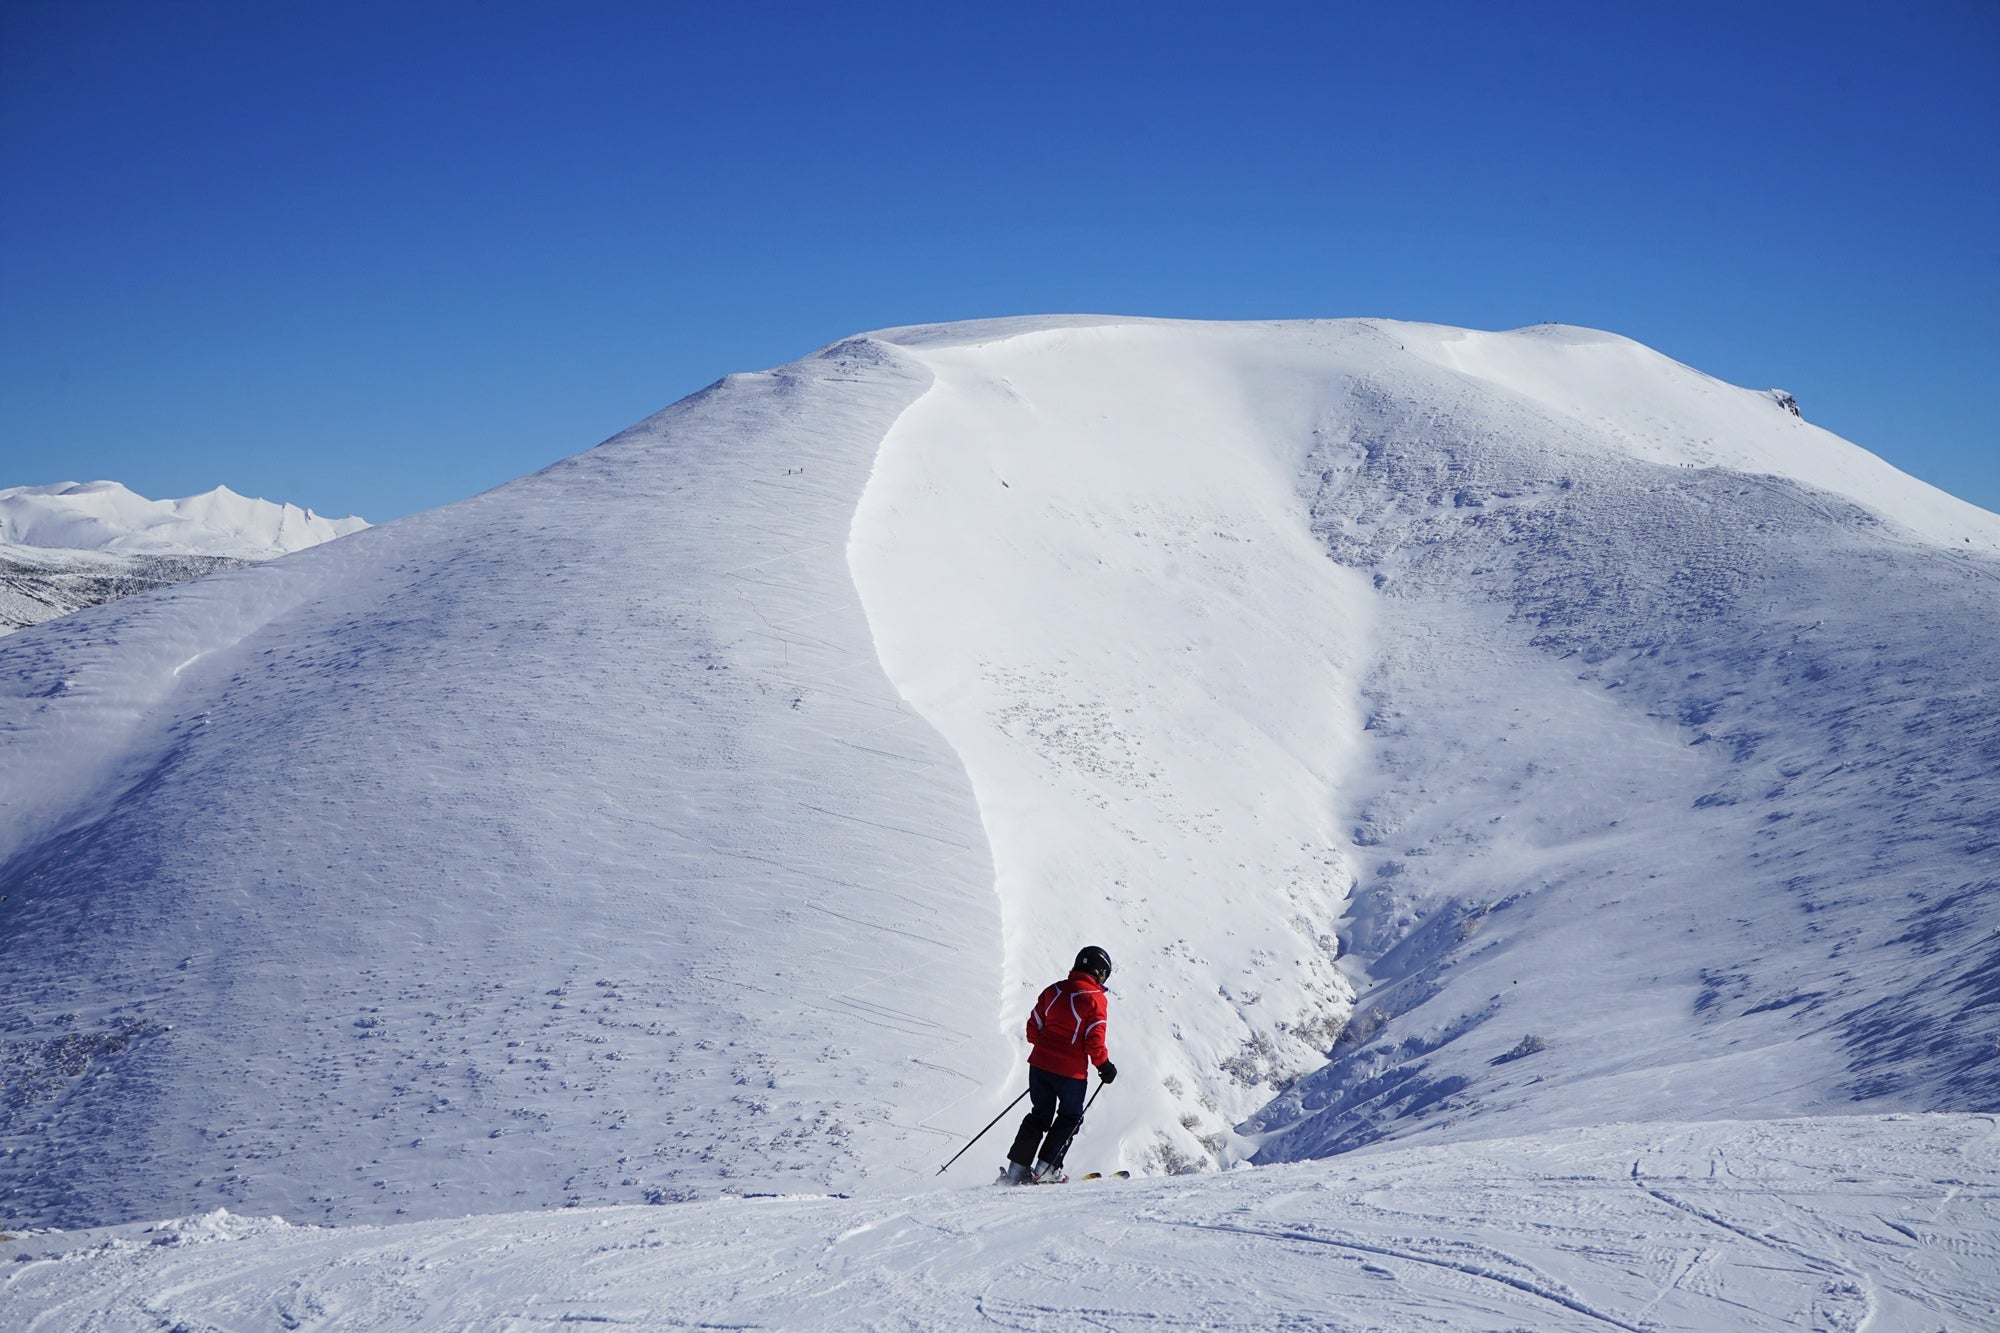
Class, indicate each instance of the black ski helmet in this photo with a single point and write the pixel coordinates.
(1095, 961)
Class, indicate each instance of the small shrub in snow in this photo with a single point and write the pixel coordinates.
(1528, 1045)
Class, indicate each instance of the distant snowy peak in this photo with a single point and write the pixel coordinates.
(105, 516)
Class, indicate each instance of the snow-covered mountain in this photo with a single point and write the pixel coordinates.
(71, 545)
(105, 516)
(1603, 654)
(1450, 735)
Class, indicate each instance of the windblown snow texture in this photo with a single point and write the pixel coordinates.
(1686, 775)
(566, 843)
(700, 812)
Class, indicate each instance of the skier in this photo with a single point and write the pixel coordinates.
(1066, 1030)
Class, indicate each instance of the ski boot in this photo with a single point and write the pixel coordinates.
(1046, 1174)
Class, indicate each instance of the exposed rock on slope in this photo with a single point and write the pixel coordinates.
(38, 585)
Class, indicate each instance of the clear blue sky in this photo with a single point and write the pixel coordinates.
(375, 257)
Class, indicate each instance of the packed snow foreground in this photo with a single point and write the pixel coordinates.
(1562, 785)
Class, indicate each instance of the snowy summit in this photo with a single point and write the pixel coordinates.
(105, 516)
(72, 545)
(1454, 737)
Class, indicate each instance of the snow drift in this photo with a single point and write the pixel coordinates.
(1450, 734)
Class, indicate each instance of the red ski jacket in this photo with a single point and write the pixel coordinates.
(1066, 1027)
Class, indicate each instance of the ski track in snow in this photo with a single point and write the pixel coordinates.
(1829, 1224)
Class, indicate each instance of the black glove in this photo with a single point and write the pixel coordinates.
(1107, 1071)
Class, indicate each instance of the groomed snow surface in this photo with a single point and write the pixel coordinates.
(1836, 1224)
(1454, 737)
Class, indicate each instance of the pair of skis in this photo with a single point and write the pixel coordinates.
(1088, 1175)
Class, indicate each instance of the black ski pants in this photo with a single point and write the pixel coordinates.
(1055, 1112)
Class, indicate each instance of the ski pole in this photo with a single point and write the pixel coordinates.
(982, 1133)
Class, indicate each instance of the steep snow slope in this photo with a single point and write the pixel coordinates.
(1680, 777)
(1086, 559)
(105, 516)
(563, 843)
(586, 841)
(1686, 770)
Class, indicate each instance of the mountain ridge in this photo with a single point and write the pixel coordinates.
(107, 516)
(71, 545)
(638, 828)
